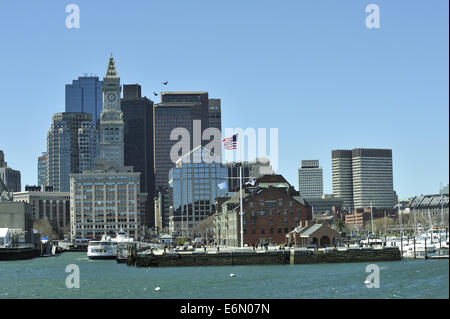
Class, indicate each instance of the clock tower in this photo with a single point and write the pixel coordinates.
(111, 118)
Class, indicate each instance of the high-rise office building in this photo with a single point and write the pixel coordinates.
(342, 178)
(111, 118)
(215, 114)
(169, 116)
(42, 165)
(85, 96)
(10, 177)
(138, 143)
(194, 186)
(310, 179)
(88, 141)
(372, 178)
(363, 177)
(71, 137)
(200, 109)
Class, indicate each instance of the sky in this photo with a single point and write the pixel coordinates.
(312, 69)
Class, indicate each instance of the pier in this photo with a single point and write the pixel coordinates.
(234, 257)
(19, 253)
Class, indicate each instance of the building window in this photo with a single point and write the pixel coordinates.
(261, 203)
(253, 231)
(279, 230)
(263, 230)
(261, 212)
(271, 230)
(271, 204)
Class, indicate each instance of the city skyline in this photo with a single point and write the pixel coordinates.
(392, 92)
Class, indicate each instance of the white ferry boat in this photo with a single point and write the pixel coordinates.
(103, 249)
(107, 247)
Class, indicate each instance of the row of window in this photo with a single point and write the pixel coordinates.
(262, 231)
(270, 204)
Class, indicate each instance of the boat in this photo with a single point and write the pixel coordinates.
(102, 249)
(107, 247)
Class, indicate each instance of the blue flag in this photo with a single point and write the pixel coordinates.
(222, 185)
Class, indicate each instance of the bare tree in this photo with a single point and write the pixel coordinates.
(44, 228)
(205, 225)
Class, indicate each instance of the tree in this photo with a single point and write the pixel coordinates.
(200, 228)
(44, 228)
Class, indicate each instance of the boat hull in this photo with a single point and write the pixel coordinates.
(101, 257)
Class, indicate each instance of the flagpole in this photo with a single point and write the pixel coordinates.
(241, 208)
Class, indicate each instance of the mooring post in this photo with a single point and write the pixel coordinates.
(425, 247)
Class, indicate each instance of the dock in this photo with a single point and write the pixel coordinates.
(19, 253)
(234, 257)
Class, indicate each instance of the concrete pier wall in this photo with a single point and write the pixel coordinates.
(277, 257)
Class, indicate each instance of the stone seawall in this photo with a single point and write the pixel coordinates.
(275, 257)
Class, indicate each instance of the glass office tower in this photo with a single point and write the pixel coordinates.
(85, 95)
(193, 189)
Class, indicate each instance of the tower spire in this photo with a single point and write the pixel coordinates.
(111, 72)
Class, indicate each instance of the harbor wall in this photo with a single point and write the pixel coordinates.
(277, 257)
(18, 253)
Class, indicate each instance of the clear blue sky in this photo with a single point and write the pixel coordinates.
(310, 68)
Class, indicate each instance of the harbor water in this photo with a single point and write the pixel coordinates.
(46, 278)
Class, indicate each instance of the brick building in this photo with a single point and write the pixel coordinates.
(312, 233)
(272, 208)
(361, 216)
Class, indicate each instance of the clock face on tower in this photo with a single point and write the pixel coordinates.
(111, 97)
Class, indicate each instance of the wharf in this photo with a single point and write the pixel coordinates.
(234, 257)
(19, 253)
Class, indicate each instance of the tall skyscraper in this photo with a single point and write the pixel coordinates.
(111, 118)
(42, 164)
(310, 179)
(363, 177)
(67, 142)
(138, 142)
(342, 176)
(169, 116)
(10, 177)
(372, 178)
(215, 114)
(199, 112)
(85, 96)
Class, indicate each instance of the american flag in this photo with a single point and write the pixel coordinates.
(230, 143)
